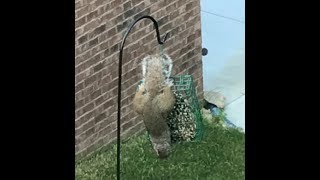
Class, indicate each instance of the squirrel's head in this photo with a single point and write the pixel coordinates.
(162, 149)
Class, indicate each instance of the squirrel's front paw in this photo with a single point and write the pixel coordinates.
(142, 89)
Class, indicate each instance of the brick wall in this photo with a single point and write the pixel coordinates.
(99, 28)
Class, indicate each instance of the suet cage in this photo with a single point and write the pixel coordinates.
(185, 87)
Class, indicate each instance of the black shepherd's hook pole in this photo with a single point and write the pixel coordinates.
(119, 81)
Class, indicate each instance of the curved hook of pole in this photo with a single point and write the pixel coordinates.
(155, 25)
(119, 80)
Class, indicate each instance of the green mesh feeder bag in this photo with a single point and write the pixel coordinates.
(185, 121)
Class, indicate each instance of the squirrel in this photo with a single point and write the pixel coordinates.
(154, 100)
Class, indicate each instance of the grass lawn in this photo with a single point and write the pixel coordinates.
(220, 155)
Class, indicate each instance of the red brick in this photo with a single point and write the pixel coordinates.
(80, 22)
(81, 12)
(126, 126)
(79, 104)
(85, 127)
(99, 100)
(100, 2)
(91, 25)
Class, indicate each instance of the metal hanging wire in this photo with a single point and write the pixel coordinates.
(119, 79)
